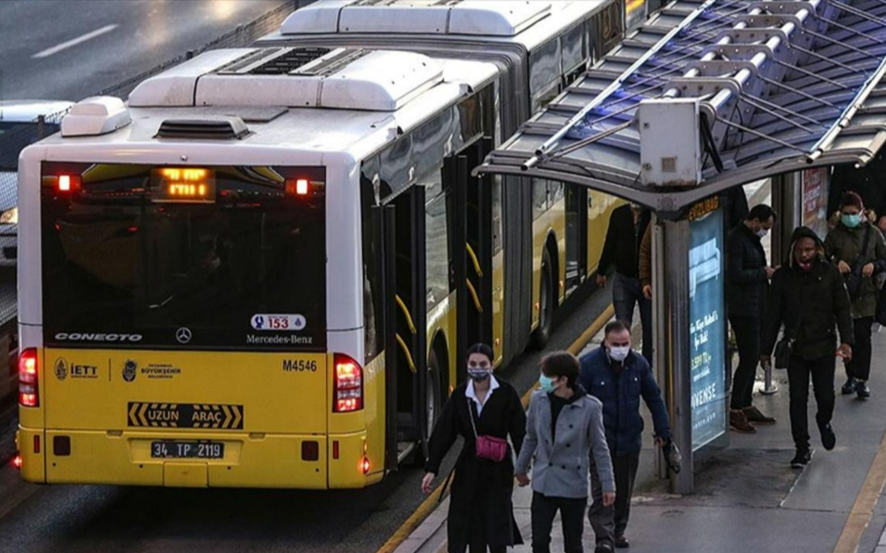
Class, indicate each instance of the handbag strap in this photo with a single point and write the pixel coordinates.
(471, 416)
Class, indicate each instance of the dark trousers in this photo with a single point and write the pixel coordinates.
(821, 371)
(544, 508)
(610, 522)
(860, 366)
(626, 292)
(747, 338)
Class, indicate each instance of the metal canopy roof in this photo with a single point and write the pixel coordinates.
(783, 86)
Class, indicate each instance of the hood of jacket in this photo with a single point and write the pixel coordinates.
(798, 234)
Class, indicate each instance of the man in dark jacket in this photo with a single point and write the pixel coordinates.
(809, 298)
(618, 377)
(747, 278)
(622, 249)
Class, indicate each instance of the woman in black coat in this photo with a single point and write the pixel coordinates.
(480, 510)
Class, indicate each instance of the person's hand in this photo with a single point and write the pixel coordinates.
(867, 270)
(765, 360)
(427, 483)
(845, 351)
(522, 479)
(601, 280)
(608, 499)
(843, 267)
(659, 441)
(882, 223)
(769, 272)
(647, 291)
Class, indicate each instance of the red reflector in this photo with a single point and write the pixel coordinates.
(366, 465)
(17, 461)
(36, 444)
(310, 451)
(335, 449)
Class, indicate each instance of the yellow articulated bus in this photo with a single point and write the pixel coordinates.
(260, 270)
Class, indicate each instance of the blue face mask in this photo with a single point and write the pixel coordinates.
(546, 383)
(851, 221)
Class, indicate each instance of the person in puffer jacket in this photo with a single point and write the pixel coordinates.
(809, 299)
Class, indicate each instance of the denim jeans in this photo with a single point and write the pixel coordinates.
(626, 293)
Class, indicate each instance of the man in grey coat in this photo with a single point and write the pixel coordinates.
(563, 428)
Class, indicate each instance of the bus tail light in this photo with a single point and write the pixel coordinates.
(27, 379)
(17, 461)
(347, 385)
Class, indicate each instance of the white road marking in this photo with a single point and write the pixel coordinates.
(65, 45)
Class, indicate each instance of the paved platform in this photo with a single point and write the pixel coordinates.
(747, 497)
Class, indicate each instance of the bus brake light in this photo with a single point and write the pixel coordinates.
(66, 183)
(347, 385)
(297, 187)
(27, 379)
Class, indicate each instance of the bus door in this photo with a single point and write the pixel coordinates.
(578, 202)
(405, 290)
(471, 224)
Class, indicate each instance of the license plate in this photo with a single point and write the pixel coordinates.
(187, 450)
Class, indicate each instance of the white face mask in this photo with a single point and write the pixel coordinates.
(619, 353)
(762, 233)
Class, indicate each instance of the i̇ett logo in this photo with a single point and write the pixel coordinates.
(61, 368)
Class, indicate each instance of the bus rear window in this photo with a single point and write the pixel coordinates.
(183, 257)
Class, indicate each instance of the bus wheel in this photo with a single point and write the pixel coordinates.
(432, 409)
(542, 333)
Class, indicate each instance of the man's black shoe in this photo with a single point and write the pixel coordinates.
(828, 438)
(849, 387)
(603, 547)
(862, 389)
(621, 542)
(801, 459)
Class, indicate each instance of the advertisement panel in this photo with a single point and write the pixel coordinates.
(815, 200)
(707, 320)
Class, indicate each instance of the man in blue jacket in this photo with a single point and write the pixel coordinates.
(618, 377)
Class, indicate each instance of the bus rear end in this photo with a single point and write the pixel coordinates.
(177, 335)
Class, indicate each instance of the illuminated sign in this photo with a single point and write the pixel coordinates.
(183, 184)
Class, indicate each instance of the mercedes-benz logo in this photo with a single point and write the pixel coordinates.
(183, 335)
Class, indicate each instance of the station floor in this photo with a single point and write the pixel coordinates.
(747, 497)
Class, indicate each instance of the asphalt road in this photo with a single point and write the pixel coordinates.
(71, 49)
(110, 519)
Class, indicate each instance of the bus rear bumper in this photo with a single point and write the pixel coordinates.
(249, 460)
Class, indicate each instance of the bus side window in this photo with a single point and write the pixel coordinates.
(573, 53)
(436, 238)
(373, 306)
(539, 197)
(544, 73)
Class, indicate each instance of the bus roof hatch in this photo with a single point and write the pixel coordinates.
(456, 17)
(358, 79)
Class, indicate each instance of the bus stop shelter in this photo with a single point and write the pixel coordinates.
(702, 98)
